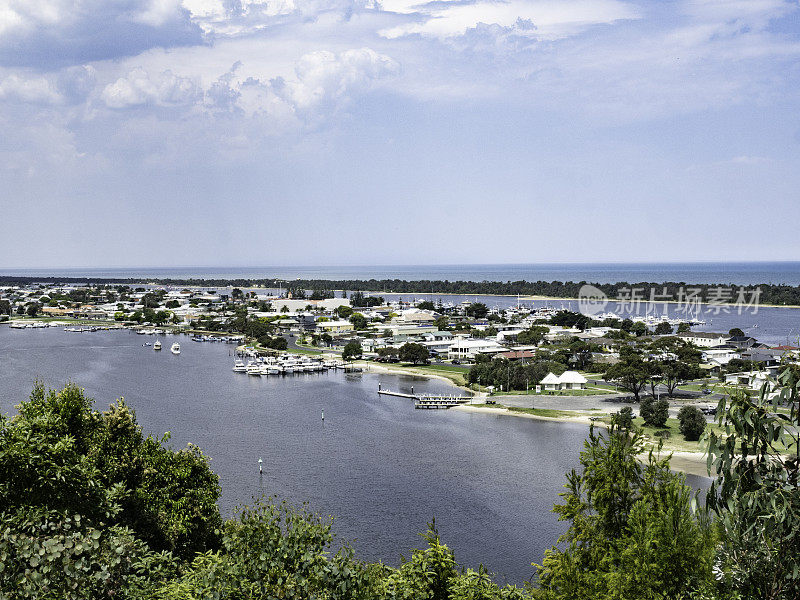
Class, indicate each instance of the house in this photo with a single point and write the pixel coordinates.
(704, 339)
(751, 379)
(521, 355)
(742, 342)
(509, 335)
(568, 380)
(719, 356)
(549, 383)
(334, 327)
(414, 315)
(469, 348)
(412, 328)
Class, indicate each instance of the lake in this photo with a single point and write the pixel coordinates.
(381, 468)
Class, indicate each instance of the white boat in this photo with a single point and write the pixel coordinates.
(175, 348)
(253, 368)
(157, 345)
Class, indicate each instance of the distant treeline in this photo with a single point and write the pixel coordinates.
(676, 291)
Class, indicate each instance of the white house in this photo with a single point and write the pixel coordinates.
(550, 383)
(751, 379)
(704, 339)
(720, 356)
(568, 380)
(470, 348)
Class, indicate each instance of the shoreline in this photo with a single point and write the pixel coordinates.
(690, 463)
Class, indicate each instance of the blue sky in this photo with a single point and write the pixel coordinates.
(219, 132)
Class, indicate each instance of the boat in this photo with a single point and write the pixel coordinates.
(253, 368)
(239, 367)
(175, 348)
(157, 345)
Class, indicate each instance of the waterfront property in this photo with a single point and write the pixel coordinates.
(568, 380)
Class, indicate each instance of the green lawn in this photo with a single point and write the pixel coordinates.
(299, 351)
(589, 391)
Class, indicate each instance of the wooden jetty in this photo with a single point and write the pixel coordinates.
(429, 401)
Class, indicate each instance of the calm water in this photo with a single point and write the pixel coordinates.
(380, 467)
(741, 273)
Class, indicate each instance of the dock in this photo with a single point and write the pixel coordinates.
(432, 402)
(429, 401)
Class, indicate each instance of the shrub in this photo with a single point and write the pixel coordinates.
(692, 423)
(624, 418)
(654, 412)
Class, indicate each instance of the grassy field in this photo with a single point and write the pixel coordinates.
(300, 351)
(594, 390)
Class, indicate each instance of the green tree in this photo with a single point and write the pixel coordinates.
(442, 323)
(654, 412)
(633, 532)
(352, 350)
(736, 332)
(663, 328)
(426, 305)
(532, 336)
(684, 327)
(274, 551)
(32, 309)
(343, 311)
(639, 329)
(756, 493)
(692, 423)
(477, 310)
(413, 353)
(359, 321)
(61, 455)
(630, 373)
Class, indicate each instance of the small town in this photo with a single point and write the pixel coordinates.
(514, 350)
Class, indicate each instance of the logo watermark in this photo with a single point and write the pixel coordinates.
(690, 302)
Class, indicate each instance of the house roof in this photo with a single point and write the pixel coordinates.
(572, 377)
(517, 354)
(550, 378)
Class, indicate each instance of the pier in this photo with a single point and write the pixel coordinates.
(429, 401)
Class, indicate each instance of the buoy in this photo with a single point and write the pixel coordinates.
(323, 415)
(260, 470)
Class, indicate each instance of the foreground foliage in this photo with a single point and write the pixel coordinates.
(757, 491)
(90, 508)
(634, 532)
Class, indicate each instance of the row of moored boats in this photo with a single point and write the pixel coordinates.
(283, 365)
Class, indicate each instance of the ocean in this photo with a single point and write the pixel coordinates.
(735, 273)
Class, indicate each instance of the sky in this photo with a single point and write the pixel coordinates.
(336, 132)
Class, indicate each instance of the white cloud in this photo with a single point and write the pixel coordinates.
(323, 83)
(139, 88)
(48, 33)
(324, 78)
(156, 13)
(553, 19)
(35, 90)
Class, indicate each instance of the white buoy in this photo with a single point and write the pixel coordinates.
(323, 415)
(260, 470)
